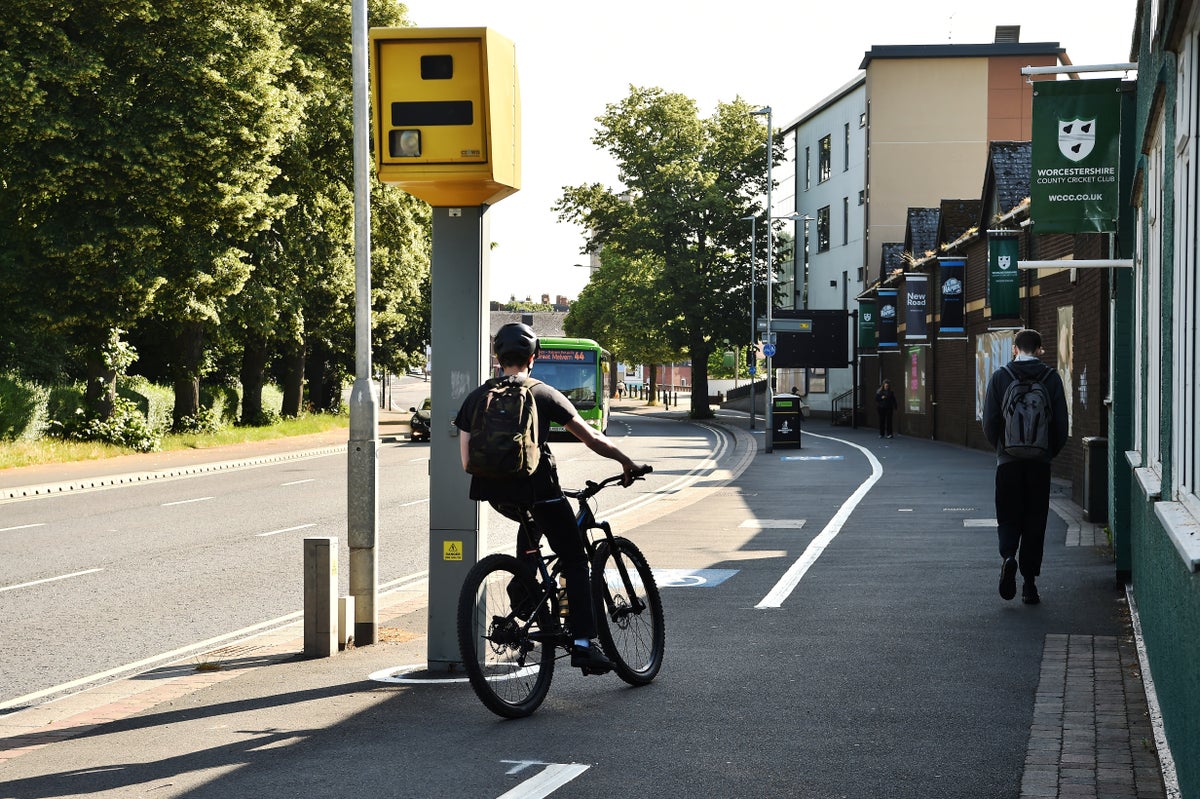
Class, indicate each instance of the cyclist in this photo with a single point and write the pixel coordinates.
(539, 495)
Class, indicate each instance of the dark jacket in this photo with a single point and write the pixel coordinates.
(993, 412)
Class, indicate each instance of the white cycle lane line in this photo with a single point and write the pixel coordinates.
(791, 578)
(545, 782)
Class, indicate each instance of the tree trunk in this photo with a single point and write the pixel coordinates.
(613, 377)
(293, 380)
(101, 391)
(316, 366)
(189, 355)
(700, 353)
(653, 378)
(254, 366)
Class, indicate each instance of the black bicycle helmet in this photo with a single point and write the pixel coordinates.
(515, 341)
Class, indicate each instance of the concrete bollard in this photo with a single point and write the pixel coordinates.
(320, 597)
(345, 622)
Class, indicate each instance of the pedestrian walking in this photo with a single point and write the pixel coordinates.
(885, 404)
(1025, 419)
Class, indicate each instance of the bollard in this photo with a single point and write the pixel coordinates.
(345, 625)
(320, 597)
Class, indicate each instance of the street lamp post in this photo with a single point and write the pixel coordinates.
(753, 220)
(769, 417)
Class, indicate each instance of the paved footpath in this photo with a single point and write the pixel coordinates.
(152, 734)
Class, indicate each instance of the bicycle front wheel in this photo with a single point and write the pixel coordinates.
(629, 611)
(501, 636)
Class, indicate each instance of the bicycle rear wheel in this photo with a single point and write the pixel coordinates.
(629, 612)
(502, 637)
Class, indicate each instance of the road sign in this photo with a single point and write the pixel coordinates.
(752, 369)
(768, 350)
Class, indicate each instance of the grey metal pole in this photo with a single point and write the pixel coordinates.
(362, 478)
(751, 361)
(768, 414)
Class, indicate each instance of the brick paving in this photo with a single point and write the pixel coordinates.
(1091, 734)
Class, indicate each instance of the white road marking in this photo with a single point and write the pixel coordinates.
(767, 524)
(286, 530)
(979, 522)
(22, 527)
(546, 782)
(791, 577)
(186, 501)
(414, 502)
(299, 482)
(50, 579)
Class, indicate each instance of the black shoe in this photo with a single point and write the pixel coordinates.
(1029, 593)
(1008, 578)
(591, 659)
(522, 603)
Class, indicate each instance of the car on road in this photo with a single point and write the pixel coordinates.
(419, 423)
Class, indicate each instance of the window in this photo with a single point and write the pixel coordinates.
(825, 156)
(816, 379)
(845, 220)
(1185, 446)
(823, 229)
(862, 119)
(807, 168)
(846, 165)
(862, 196)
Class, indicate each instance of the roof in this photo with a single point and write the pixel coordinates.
(892, 259)
(957, 217)
(1006, 183)
(988, 50)
(920, 234)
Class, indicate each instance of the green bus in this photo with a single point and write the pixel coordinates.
(579, 368)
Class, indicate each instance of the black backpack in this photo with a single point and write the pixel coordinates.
(1027, 414)
(504, 427)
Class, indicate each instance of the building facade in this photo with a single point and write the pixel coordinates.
(912, 128)
(1154, 448)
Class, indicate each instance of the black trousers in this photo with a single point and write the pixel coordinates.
(1022, 502)
(555, 520)
(885, 422)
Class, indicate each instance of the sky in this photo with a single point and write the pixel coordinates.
(574, 59)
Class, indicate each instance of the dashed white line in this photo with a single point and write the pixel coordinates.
(299, 482)
(186, 501)
(414, 502)
(50, 579)
(22, 527)
(286, 530)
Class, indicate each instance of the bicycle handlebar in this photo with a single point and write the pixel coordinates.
(593, 488)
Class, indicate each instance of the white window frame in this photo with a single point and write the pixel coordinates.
(1152, 316)
(1185, 443)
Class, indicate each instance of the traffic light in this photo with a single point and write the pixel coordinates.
(446, 113)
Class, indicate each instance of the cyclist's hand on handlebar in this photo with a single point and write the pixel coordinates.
(635, 472)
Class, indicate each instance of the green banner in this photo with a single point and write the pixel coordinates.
(866, 323)
(1075, 154)
(1004, 281)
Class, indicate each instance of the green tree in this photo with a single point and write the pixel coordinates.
(617, 309)
(687, 183)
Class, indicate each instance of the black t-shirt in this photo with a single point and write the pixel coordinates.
(552, 407)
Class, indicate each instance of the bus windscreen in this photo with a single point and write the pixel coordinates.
(573, 372)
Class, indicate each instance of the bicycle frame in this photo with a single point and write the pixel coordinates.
(585, 520)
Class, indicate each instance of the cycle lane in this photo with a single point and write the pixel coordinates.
(878, 670)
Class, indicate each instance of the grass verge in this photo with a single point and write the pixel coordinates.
(52, 450)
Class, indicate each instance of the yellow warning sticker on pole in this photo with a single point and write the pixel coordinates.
(452, 550)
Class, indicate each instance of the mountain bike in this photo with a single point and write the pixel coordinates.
(514, 623)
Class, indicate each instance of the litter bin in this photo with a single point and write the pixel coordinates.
(1095, 479)
(785, 410)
